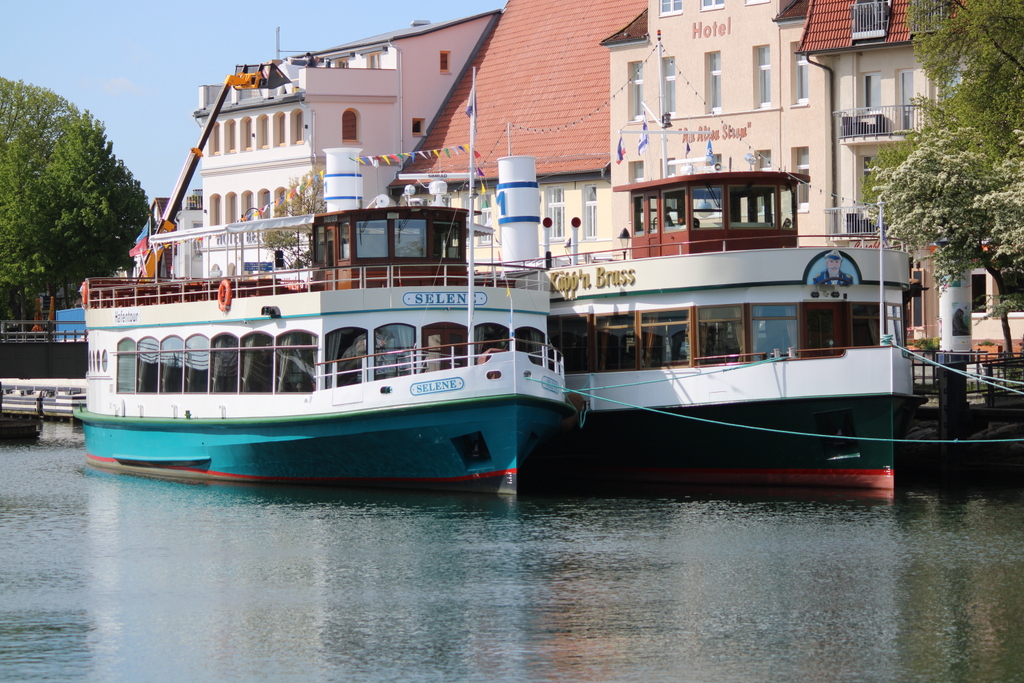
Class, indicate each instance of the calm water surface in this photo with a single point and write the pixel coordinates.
(116, 578)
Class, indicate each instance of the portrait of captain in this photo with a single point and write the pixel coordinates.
(833, 273)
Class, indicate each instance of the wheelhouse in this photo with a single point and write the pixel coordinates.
(705, 212)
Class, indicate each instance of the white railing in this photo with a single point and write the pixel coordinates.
(869, 20)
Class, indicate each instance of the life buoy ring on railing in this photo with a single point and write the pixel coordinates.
(84, 291)
(224, 295)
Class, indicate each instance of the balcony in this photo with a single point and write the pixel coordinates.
(850, 222)
(869, 20)
(926, 16)
(875, 122)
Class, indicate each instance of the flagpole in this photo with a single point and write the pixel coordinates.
(883, 327)
(471, 219)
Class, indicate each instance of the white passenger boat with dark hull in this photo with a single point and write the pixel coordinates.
(361, 370)
(714, 349)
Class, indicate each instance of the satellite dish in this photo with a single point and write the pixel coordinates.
(381, 200)
(750, 159)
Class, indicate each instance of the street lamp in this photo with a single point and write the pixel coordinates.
(624, 242)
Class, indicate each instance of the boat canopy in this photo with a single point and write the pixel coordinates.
(304, 223)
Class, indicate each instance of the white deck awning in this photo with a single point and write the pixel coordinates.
(261, 225)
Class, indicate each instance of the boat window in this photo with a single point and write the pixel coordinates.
(865, 324)
(224, 364)
(787, 212)
(345, 250)
(490, 337)
(751, 206)
(411, 238)
(147, 367)
(774, 327)
(674, 202)
(568, 334)
(257, 357)
(197, 364)
(372, 239)
(126, 366)
(347, 342)
(294, 362)
(707, 206)
(531, 340)
(666, 338)
(638, 214)
(616, 342)
(719, 334)
(396, 341)
(444, 346)
(447, 238)
(172, 365)
(318, 243)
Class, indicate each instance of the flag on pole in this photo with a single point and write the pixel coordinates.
(687, 149)
(471, 106)
(710, 154)
(620, 153)
(645, 139)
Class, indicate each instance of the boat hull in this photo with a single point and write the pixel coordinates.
(700, 445)
(475, 445)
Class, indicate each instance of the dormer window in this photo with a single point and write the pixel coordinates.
(869, 19)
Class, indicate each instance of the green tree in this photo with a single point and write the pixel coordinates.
(947, 191)
(69, 209)
(305, 196)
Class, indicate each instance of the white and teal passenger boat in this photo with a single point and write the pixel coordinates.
(361, 370)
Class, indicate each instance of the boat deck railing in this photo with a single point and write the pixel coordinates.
(19, 331)
(416, 361)
(131, 292)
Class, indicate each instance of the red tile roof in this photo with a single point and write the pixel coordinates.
(797, 9)
(544, 71)
(634, 30)
(829, 26)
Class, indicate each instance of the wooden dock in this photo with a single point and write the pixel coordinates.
(19, 429)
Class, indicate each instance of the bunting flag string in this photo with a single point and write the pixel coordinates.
(397, 158)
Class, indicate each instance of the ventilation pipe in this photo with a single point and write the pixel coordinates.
(343, 182)
(518, 207)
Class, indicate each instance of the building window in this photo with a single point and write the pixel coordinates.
(486, 218)
(265, 203)
(764, 159)
(373, 61)
(589, 212)
(417, 126)
(764, 77)
(555, 210)
(214, 146)
(279, 130)
(636, 90)
(668, 68)
(802, 164)
(636, 171)
(714, 94)
(231, 208)
(230, 142)
(214, 210)
(671, 6)
(247, 134)
(298, 129)
(263, 132)
(872, 95)
(349, 126)
(800, 79)
(711, 4)
(445, 55)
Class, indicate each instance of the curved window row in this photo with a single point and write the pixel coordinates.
(232, 207)
(258, 363)
(255, 364)
(246, 134)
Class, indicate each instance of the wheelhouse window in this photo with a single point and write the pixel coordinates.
(719, 333)
(865, 324)
(411, 238)
(707, 207)
(752, 206)
(674, 203)
(372, 239)
(447, 235)
(773, 327)
(666, 338)
(616, 342)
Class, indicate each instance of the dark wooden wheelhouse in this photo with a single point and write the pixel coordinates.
(716, 211)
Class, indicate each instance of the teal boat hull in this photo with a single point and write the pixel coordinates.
(475, 445)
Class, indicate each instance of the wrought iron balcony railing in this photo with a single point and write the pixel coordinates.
(876, 121)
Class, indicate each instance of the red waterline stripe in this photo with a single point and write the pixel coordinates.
(873, 479)
(253, 477)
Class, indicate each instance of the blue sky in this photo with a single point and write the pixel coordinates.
(137, 66)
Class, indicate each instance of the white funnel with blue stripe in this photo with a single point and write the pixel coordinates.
(518, 208)
(343, 181)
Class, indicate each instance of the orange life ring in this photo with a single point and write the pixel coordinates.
(85, 293)
(224, 295)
